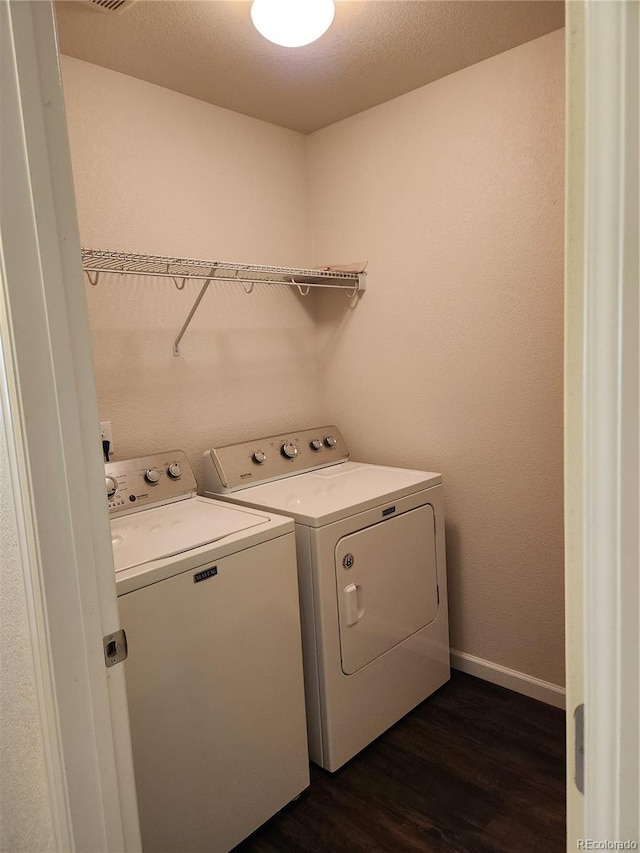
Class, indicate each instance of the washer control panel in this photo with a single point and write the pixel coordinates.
(237, 466)
(134, 484)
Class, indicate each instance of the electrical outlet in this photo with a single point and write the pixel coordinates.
(105, 430)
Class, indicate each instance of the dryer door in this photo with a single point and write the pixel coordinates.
(387, 585)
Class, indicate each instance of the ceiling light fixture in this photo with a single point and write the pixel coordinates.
(292, 23)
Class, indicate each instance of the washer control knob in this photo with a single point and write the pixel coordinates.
(289, 450)
(330, 441)
(112, 486)
(152, 475)
(259, 457)
(175, 470)
(316, 444)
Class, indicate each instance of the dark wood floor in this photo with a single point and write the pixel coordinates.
(474, 769)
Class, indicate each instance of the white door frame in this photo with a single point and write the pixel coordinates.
(612, 661)
(602, 400)
(50, 416)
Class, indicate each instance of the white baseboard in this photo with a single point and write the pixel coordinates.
(544, 691)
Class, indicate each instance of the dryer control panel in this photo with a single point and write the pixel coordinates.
(237, 466)
(134, 484)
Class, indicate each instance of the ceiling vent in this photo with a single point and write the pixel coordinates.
(111, 5)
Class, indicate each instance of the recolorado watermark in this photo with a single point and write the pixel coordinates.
(591, 844)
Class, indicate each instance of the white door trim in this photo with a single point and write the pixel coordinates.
(610, 410)
(50, 413)
(34, 599)
(574, 404)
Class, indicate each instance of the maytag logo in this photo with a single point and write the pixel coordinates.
(388, 511)
(244, 476)
(205, 575)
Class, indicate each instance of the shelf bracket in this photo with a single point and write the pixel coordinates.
(185, 326)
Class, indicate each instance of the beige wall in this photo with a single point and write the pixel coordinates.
(158, 172)
(453, 359)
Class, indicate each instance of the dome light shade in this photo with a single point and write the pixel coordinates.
(292, 23)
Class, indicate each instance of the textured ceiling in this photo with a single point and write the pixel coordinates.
(374, 51)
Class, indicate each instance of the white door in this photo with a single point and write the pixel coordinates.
(50, 417)
(387, 585)
(601, 417)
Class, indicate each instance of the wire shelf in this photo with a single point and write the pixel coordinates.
(104, 261)
(180, 270)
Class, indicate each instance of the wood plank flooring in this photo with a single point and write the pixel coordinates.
(474, 769)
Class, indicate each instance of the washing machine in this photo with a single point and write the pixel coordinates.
(208, 598)
(372, 576)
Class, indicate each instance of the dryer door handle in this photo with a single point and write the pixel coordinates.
(352, 610)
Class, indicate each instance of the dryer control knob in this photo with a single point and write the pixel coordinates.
(175, 470)
(112, 486)
(330, 441)
(152, 475)
(316, 444)
(259, 457)
(289, 450)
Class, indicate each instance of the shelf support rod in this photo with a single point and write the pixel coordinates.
(176, 343)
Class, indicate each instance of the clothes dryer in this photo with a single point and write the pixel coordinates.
(372, 577)
(208, 598)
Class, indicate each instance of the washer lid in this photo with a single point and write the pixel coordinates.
(326, 495)
(174, 528)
